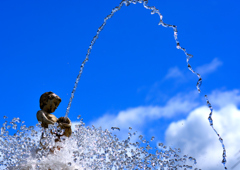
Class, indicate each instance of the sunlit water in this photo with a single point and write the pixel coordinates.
(87, 148)
(90, 147)
(154, 10)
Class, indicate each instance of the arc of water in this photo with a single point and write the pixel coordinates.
(188, 56)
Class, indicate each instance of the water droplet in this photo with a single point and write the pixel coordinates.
(113, 128)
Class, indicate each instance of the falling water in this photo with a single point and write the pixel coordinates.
(88, 148)
(188, 56)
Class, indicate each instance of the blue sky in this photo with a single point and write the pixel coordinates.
(135, 76)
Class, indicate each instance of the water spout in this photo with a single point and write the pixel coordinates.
(154, 10)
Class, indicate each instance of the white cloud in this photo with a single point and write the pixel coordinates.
(174, 72)
(209, 68)
(222, 98)
(139, 117)
(193, 135)
(196, 138)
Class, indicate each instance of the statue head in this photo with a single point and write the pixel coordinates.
(49, 102)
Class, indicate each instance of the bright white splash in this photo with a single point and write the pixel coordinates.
(154, 10)
(90, 147)
(87, 148)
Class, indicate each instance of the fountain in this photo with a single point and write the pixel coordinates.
(90, 147)
(87, 148)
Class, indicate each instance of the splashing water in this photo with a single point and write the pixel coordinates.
(90, 147)
(188, 56)
(87, 148)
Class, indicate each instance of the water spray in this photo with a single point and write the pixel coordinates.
(154, 10)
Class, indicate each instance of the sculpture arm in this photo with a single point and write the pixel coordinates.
(64, 123)
(43, 118)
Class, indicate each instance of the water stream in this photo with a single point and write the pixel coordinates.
(90, 147)
(154, 10)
